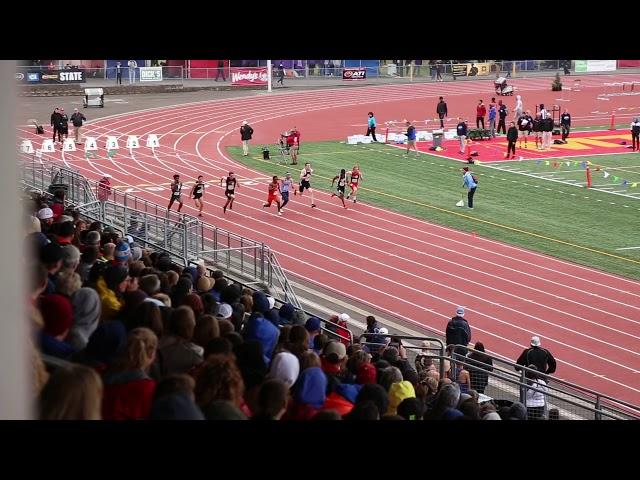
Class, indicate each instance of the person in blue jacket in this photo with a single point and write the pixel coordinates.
(468, 181)
(411, 138)
(371, 126)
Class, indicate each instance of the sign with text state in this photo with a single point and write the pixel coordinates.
(30, 76)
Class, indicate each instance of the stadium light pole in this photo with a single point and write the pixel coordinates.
(268, 75)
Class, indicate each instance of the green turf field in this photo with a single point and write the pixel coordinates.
(554, 217)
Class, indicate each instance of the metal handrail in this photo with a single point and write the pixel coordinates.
(197, 237)
(522, 370)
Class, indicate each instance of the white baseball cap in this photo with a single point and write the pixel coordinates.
(344, 317)
(106, 175)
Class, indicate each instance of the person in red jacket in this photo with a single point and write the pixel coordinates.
(481, 111)
(128, 390)
(58, 204)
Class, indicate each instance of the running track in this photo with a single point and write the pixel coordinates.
(406, 267)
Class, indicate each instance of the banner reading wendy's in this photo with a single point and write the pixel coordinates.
(248, 76)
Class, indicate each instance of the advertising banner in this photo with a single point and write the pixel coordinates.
(471, 69)
(583, 66)
(150, 74)
(354, 73)
(62, 77)
(249, 76)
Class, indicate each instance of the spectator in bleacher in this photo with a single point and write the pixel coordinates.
(389, 376)
(356, 360)
(64, 233)
(272, 400)
(445, 404)
(366, 374)
(458, 331)
(206, 329)
(313, 327)
(176, 351)
(73, 392)
(175, 406)
(67, 283)
(460, 375)
(111, 286)
(309, 394)
(182, 288)
(286, 313)
(104, 344)
(538, 356)
(298, 342)
(536, 396)
(517, 411)
(259, 328)
(319, 342)
(372, 393)
(57, 315)
(57, 205)
(147, 314)
(220, 379)
(122, 253)
(70, 258)
(194, 301)
(481, 111)
(51, 257)
(204, 284)
(484, 364)
(108, 250)
(224, 311)
(333, 360)
(392, 355)
(398, 392)
(470, 409)
(285, 367)
(411, 409)
(128, 391)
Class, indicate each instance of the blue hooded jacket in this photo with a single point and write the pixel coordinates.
(260, 329)
(311, 387)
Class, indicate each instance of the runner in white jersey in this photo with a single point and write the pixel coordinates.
(286, 185)
(305, 181)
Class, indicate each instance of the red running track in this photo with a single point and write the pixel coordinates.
(410, 268)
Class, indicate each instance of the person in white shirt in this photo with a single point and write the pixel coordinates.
(536, 396)
(518, 108)
(132, 64)
(305, 181)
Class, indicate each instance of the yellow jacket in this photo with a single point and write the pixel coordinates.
(111, 305)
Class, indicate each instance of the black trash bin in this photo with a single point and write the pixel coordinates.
(265, 153)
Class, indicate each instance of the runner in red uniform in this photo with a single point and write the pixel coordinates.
(274, 194)
(354, 181)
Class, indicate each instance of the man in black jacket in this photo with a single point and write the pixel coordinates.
(502, 115)
(538, 356)
(565, 123)
(245, 134)
(512, 136)
(458, 330)
(441, 110)
(77, 119)
(56, 119)
(461, 131)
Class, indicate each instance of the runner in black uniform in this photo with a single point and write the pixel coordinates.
(197, 192)
(176, 192)
(230, 190)
(342, 183)
(305, 181)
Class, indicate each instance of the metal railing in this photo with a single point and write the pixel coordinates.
(565, 391)
(185, 237)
